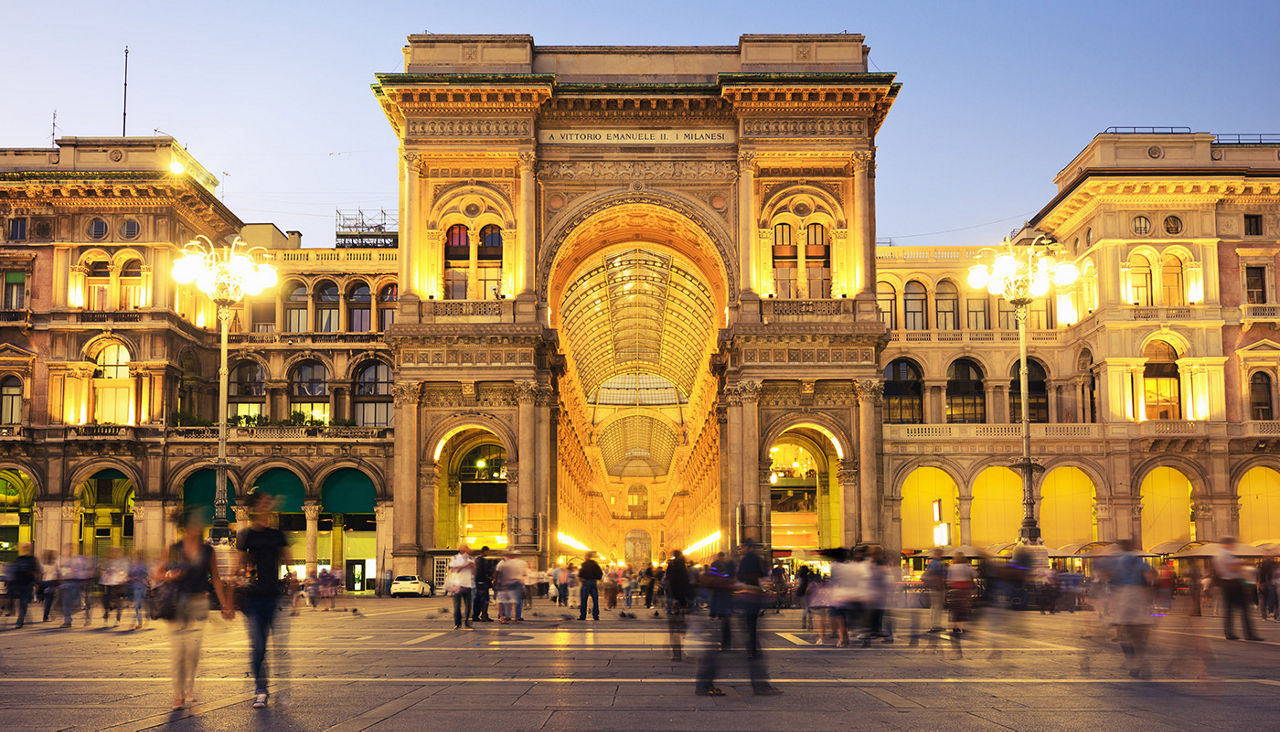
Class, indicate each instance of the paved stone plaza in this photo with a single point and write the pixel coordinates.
(399, 665)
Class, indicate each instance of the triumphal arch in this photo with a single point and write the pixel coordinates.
(637, 302)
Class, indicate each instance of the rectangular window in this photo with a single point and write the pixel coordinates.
(1038, 315)
(1255, 285)
(97, 296)
(784, 282)
(455, 284)
(977, 314)
(111, 404)
(1161, 396)
(1008, 320)
(386, 317)
(295, 320)
(819, 281)
(130, 296)
(17, 229)
(15, 290)
(312, 410)
(1140, 285)
(359, 318)
(373, 414)
(913, 316)
(490, 280)
(1253, 224)
(11, 407)
(244, 409)
(327, 320)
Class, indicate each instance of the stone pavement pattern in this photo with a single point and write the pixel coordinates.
(398, 664)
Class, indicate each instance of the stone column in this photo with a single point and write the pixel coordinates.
(241, 517)
(864, 223)
(847, 476)
(311, 510)
(336, 553)
(1203, 514)
(148, 527)
(48, 529)
(756, 504)
(964, 514)
(521, 508)
(406, 551)
(746, 223)
(526, 242)
(733, 493)
(70, 530)
(1106, 523)
(935, 401)
(427, 489)
(1052, 388)
(410, 198)
(545, 453)
(870, 392)
(280, 312)
(383, 515)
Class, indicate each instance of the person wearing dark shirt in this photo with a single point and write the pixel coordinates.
(23, 574)
(484, 584)
(263, 550)
(193, 573)
(749, 596)
(588, 576)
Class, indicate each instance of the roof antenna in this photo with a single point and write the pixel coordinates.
(53, 130)
(124, 111)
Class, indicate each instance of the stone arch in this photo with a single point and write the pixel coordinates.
(94, 345)
(240, 357)
(1190, 468)
(676, 427)
(126, 254)
(300, 470)
(1256, 461)
(824, 423)
(359, 360)
(89, 256)
(828, 207)
(1102, 487)
(370, 471)
(87, 470)
(445, 210)
(1011, 363)
(977, 468)
(902, 471)
(181, 472)
(31, 471)
(308, 355)
(447, 428)
(689, 209)
(1180, 343)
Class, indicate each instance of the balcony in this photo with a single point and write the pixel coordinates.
(111, 431)
(1161, 314)
(283, 432)
(1174, 428)
(10, 432)
(334, 260)
(1269, 428)
(1252, 314)
(295, 339)
(792, 311)
(972, 336)
(929, 432)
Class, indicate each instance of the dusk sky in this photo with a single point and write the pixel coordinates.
(274, 99)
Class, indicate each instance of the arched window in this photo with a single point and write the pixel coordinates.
(1161, 389)
(359, 309)
(457, 262)
(887, 299)
(388, 301)
(1139, 281)
(1260, 406)
(914, 299)
(785, 262)
(246, 390)
(373, 395)
(131, 285)
(112, 388)
(309, 390)
(1172, 288)
(946, 301)
(326, 307)
(11, 400)
(903, 393)
(966, 399)
(817, 261)
(978, 313)
(489, 263)
(97, 284)
(295, 308)
(1037, 393)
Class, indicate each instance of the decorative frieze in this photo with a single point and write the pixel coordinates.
(805, 127)
(454, 128)
(808, 354)
(637, 169)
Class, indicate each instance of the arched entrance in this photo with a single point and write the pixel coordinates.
(17, 496)
(995, 516)
(290, 492)
(199, 491)
(472, 493)
(638, 549)
(637, 292)
(1166, 507)
(930, 509)
(348, 500)
(804, 492)
(1067, 507)
(1259, 492)
(105, 500)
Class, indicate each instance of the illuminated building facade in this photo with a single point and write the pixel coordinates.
(633, 303)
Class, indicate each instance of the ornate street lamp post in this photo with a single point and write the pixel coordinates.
(226, 274)
(1021, 274)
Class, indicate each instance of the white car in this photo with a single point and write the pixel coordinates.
(408, 584)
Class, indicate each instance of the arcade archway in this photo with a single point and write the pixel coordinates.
(1166, 508)
(930, 509)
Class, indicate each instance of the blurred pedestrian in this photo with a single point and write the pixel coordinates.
(138, 582)
(960, 585)
(24, 572)
(562, 575)
(1268, 599)
(1132, 594)
(511, 576)
(49, 581)
(114, 579)
(935, 585)
(879, 587)
(461, 584)
(263, 551)
(850, 587)
(679, 590)
(588, 576)
(75, 572)
(484, 571)
(193, 574)
(1230, 573)
(749, 601)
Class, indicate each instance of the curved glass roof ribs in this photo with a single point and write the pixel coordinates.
(637, 445)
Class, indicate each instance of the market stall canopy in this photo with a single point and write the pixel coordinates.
(1173, 547)
(1110, 550)
(1207, 551)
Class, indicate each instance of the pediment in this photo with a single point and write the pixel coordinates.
(1264, 347)
(10, 352)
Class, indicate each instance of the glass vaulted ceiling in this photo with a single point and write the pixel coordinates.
(638, 325)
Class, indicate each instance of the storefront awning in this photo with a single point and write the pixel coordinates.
(286, 487)
(198, 493)
(348, 491)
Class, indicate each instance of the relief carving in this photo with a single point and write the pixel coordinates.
(802, 127)
(470, 127)
(405, 394)
(869, 390)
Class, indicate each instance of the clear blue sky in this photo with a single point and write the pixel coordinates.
(274, 97)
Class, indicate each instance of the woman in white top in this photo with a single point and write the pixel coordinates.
(959, 590)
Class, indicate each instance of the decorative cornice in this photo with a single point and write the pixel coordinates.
(869, 391)
(637, 170)
(804, 127)
(469, 128)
